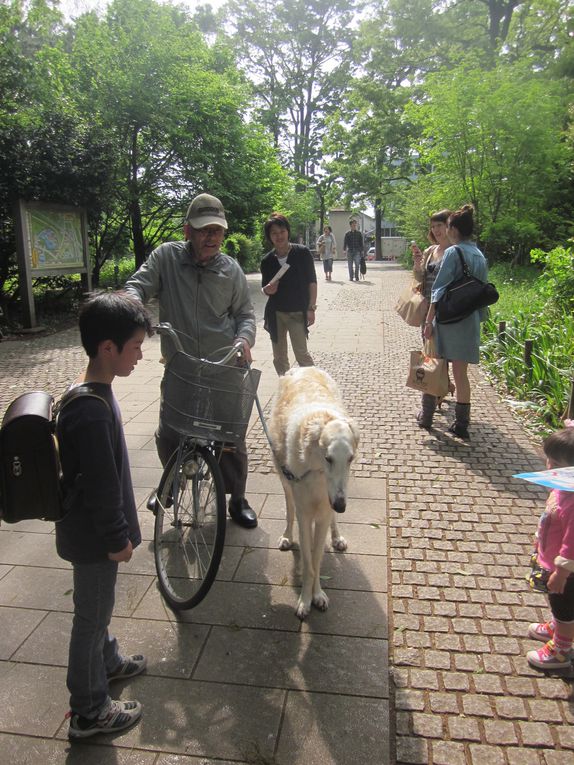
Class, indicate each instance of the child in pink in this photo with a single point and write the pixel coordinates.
(555, 554)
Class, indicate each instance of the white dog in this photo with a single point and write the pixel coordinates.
(314, 444)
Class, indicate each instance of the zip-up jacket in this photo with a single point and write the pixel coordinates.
(209, 303)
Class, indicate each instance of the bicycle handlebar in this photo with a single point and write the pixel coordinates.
(165, 328)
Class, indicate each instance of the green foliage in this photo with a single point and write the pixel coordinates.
(543, 393)
(557, 279)
(246, 251)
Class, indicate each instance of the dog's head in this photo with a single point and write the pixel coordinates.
(338, 443)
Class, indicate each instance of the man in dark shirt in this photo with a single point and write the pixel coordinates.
(353, 249)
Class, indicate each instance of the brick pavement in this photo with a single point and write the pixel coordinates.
(456, 537)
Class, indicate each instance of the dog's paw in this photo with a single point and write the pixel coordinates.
(339, 544)
(285, 543)
(302, 609)
(321, 601)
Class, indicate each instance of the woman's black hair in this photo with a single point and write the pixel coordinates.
(276, 219)
(463, 220)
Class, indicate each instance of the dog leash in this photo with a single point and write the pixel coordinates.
(289, 476)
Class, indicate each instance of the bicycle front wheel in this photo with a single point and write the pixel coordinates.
(189, 527)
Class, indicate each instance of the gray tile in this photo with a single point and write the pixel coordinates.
(350, 613)
(264, 484)
(358, 510)
(4, 570)
(17, 624)
(51, 589)
(140, 458)
(232, 605)
(26, 750)
(181, 759)
(35, 700)
(343, 571)
(49, 642)
(171, 648)
(21, 548)
(367, 488)
(322, 729)
(354, 666)
(36, 527)
(203, 719)
(146, 478)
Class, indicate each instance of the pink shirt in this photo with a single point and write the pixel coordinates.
(555, 533)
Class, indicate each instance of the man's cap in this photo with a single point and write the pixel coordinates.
(205, 210)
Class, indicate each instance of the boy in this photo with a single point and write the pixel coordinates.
(101, 527)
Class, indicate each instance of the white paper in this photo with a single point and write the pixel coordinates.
(282, 271)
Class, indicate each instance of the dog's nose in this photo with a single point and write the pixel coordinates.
(340, 505)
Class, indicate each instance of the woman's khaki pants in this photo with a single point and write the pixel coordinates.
(290, 323)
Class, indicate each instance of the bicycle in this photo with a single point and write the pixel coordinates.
(209, 404)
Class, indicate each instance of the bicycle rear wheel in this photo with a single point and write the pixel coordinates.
(189, 527)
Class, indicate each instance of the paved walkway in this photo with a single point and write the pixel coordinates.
(420, 657)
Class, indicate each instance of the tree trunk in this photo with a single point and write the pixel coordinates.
(378, 228)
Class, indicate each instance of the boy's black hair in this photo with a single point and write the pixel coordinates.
(559, 447)
(114, 316)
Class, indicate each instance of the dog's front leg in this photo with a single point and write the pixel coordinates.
(307, 573)
(286, 541)
(338, 542)
(320, 599)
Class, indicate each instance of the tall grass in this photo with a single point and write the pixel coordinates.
(542, 393)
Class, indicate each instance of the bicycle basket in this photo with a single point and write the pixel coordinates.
(207, 400)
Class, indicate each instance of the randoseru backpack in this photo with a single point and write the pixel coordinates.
(30, 472)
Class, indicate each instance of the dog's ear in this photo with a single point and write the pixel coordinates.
(355, 432)
(312, 429)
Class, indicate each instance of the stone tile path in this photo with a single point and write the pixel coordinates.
(420, 658)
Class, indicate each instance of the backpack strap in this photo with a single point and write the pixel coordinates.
(78, 391)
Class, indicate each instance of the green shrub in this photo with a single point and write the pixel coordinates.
(110, 278)
(246, 251)
(557, 279)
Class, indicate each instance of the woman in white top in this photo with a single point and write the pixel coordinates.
(327, 247)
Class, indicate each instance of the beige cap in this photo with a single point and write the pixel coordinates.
(205, 210)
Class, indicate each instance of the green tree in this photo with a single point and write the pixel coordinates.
(296, 54)
(495, 139)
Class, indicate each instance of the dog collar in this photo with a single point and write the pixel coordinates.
(292, 477)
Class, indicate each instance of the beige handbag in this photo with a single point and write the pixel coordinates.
(412, 306)
(428, 374)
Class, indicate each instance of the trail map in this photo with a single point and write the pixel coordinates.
(55, 239)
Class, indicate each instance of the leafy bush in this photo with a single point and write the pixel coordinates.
(246, 251)
(543, 392)
(109, 277)
(557, 279)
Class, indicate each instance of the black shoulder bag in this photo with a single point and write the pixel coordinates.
(464, 296)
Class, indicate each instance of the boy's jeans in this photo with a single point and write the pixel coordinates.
(93, 651)
(354, 262)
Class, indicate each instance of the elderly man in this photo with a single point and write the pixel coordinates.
(203, 293)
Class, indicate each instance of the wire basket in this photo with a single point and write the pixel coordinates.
(208, 400)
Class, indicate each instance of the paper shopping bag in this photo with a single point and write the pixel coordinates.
(412, 306)
(427, 374)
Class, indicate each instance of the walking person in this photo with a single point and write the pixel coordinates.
(353, 248)
(459, 343)
(100, 529)
(554, 558)
(292, 302)
(327, 246)
(425, 269)
(203, 293)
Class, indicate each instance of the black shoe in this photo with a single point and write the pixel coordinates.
(242, 513)
(460, 430)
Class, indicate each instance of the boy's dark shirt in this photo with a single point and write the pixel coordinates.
(103, 514)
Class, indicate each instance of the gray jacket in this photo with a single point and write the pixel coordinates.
(210, 303)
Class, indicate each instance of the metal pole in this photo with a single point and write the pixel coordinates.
(502, 332)
(528, 359)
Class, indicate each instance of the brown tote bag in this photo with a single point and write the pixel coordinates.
(428, 374)
(412, 306)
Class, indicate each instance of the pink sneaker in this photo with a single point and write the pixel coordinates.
(548, 657)
(543, 631)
